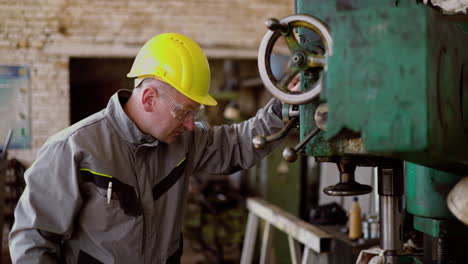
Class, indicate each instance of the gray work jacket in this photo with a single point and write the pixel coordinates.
(64, 214)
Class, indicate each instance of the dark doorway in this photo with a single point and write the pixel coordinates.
(93, 81)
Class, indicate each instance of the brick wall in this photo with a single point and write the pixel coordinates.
(44, 34)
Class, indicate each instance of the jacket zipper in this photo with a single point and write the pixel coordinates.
(139, 199)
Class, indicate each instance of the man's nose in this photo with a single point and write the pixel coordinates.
(189, 123)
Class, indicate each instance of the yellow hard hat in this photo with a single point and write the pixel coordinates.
(178, 61)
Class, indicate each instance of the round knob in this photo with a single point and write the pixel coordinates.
(274, 24)
(259, 142)
(321, 116)
(289, 154)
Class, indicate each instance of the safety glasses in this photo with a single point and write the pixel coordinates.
(179, 111)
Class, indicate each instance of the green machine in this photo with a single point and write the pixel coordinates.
(383, 84)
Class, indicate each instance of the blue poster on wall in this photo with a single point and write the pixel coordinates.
(15, 105)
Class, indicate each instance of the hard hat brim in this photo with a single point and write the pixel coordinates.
(204, 100)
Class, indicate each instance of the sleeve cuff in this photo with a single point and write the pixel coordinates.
(277, 107)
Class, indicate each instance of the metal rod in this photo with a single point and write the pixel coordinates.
(261, 141)
(390, 176)
(375, 171)
(290, 154)
(391, 217)
(306, 139)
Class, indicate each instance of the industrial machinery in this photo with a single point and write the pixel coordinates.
(383, 84)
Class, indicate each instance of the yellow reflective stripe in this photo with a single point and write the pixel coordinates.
(180, 162)
(96, 173)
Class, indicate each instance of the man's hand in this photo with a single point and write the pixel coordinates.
(295, 84)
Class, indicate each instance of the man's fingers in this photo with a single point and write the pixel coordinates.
(294, 85)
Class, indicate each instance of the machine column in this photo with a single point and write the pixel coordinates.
(390, 188)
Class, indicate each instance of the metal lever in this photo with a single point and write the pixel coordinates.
(290, 154)
(260, 142)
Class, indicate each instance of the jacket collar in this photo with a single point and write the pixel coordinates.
(125, 127)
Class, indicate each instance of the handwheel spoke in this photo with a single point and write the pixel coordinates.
(291, 42)
(315, 60)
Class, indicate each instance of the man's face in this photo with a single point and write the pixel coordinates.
(174, 114)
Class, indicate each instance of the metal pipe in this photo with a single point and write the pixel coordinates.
(390, 176)
(375, 177)
(391, 222)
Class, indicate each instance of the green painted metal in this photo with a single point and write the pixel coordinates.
(432, 227)
(440, 227)
(408, 260)
(426, 191)
(346, 143)
(396, 85)
(384, 79)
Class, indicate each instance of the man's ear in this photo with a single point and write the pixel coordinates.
(147, 99)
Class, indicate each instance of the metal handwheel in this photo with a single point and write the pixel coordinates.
(301, 58)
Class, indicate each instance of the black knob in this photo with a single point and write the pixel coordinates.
(273, 24)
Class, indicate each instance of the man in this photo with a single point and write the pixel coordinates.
(112, 188)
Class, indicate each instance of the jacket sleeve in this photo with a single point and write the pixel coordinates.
(228, 148)
(46, 209)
